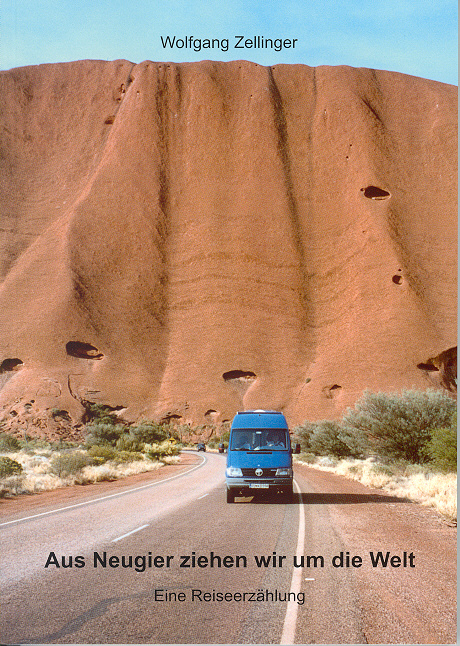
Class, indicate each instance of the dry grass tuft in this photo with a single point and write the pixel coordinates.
(37, 475)
(112, 471)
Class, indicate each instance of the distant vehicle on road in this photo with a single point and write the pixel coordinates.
(259, 455)
(201, 447)
(221, 448)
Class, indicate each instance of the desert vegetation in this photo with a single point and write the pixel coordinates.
(405, 443)
(112, 449)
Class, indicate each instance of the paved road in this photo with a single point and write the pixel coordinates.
(98, 600)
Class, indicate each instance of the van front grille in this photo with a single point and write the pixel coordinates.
(252, 473)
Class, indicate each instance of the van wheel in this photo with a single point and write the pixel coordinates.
(230, 496)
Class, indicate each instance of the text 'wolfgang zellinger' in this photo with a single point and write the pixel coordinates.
(224, 44)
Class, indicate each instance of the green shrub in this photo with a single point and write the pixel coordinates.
(304, 432)
(149, 432)
(128, 442)
(101, 413)
(9, 443)
(96, 461)
(396, 426)
(102, 452)
(157, 451)
(69, 464)
(35, 443)
(100, 433)
(323, 438)
(9, 467)
(442, 448)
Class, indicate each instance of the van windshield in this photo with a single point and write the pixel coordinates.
(256, 439)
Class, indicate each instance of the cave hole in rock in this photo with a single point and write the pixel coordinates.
(10, 365)
(397, 279)
(375, 193)
(110, 120)
(82, 350)
(239, 380)
(429, 367)
(238, 374)
(60, 414)
(210, 415)
(331, 391)
(445, 364)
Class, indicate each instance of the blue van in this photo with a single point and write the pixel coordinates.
(259, 455)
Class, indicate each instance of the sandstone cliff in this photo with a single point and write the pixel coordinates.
(182, 241)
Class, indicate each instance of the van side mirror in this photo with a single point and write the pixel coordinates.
(296, 448)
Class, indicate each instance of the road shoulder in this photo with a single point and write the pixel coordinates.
(400, 604)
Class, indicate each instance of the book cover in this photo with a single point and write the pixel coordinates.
(208, 211)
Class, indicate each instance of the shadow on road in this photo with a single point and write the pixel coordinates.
(324, 499)
(348, 498)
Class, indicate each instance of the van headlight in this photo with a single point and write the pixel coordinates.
(286, 472)
(234, 472)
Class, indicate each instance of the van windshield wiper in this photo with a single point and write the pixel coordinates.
(264, 451)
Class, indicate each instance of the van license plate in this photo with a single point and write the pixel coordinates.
(259, 485)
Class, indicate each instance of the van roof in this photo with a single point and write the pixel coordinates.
(259, 418)
(258, 411)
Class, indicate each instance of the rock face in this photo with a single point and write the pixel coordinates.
(182, 241)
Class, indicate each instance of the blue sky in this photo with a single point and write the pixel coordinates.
(417, 37)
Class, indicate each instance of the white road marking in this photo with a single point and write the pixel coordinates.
(203, 496)
(112, 495)
(290, 618)
(115, 540)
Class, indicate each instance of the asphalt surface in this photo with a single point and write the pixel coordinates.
(164, 559)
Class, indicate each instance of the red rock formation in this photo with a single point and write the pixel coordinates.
(193, 239)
